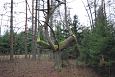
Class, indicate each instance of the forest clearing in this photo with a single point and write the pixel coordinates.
(48, 38)
(21, 67)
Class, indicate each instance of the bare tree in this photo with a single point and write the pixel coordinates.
(11, 32)
(95, 11)
(51, 20)
(33, 29)
(49, 13)
(1, 23)
(36, 28)
(58, 46)
(95, 6)
(26, 30)
(39, 29)
(66, 22)
(87, 13)
(91, 16)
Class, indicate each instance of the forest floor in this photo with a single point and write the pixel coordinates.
(42, 68)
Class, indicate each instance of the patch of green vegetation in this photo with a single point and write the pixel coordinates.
(43, 44)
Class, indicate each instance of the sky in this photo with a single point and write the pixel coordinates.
(76, 8)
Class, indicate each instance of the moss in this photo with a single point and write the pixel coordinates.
(61, 43)
(43, 44)
(55, 46)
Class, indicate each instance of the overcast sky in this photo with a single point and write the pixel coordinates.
(76, 7)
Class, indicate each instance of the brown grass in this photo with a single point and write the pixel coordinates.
(44, 68)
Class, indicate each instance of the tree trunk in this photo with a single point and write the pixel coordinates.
(39, 30)
(11, 32)
(87, 13)
(51, 23)
(33, 33)
(57, 61)
(67, 42)
(26, 31)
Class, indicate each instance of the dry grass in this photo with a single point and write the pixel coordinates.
(27, 68)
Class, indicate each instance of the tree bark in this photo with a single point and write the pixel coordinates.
(26, 31)
(39, 30)
(66, 22)
(67, 42)
(95, 7)
(92, 26)
(33, 33)
(64, 44)
(87, 13)
(11, 32)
